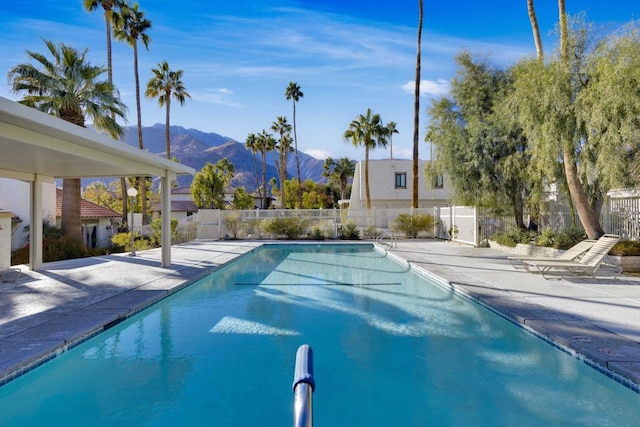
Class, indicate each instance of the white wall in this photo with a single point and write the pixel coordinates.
(15, 196)
(384, 194)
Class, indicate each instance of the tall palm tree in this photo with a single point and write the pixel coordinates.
(109, 6)
(163, 85)
(282, 127)
(368, 131)
(294, 93)
(416, 112)
(535, 29)
(131, 26)
(392, 127)
(68, 86)
(252, 144)
(265, 143)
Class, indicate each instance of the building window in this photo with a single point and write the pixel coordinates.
(401, 180)
(439, 182)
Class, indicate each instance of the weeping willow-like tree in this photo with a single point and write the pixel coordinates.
(579, 111)
(477, 142)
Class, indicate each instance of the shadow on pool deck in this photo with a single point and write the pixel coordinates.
(51, 310)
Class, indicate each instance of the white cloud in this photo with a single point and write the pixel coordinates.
(429, 87)
(222, 96)
(317, 153)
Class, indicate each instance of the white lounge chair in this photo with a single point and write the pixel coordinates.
(570, 254)
(587, 265)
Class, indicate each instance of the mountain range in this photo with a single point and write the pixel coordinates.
(195, 148)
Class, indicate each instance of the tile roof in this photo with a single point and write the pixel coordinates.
(87, 208)
(178, 206)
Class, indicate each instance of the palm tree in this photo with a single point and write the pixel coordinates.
(131, 25)
(340, 170)
(535, 29)
(265, 143)
(392, 127)
(252, 144)
(416, 112)
(162, 85)
(368, 131)
(283, 129)
(68, 86)
(294, 93)
(109, 6)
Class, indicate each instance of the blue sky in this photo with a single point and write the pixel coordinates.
(238, 57)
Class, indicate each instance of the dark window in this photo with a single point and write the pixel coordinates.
(439, 182)
(401, 180)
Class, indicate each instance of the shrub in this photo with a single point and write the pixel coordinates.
(317, 234)
(290, 227)
(156, 227)
(569, 237)
(626, 248)
(371, 232)
(233, 224)
(546, 237)
(412, 225)
(513, 236)
(349, 231)
(140, 243)
(61, 248)
(560, 240)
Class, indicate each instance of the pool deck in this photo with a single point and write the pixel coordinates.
(48, 311)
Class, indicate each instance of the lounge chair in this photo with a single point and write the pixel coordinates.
(9, 274)
(570, 254)
(588, 264)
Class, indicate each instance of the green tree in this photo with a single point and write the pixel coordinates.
(283, 129)
(416, 113)
(97, 192)
(369, 132)
(476, 142)
(242, 200)
(545, 102)
(208, 185)
(68, 86)
(340, 171)
(163, 85)
(131, 26)
(294, 93)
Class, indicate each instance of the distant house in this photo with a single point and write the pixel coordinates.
(391, 186)
(98, 223)
(182, 204)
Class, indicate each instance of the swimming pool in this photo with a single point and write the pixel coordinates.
(390, 348)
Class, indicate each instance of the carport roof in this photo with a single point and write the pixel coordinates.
(33, 143)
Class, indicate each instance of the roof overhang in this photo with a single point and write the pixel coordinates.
(34, 144)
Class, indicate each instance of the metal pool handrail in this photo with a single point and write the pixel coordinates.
(303, 387)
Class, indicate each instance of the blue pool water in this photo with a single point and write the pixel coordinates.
(390, 349)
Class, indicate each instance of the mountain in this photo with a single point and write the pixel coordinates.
(195, 148)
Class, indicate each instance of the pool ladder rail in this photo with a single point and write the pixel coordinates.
(303, 387)
(390, 234)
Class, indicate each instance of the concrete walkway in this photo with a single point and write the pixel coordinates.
(49, 311)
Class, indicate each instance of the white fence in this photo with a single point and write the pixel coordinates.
(464, 224)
